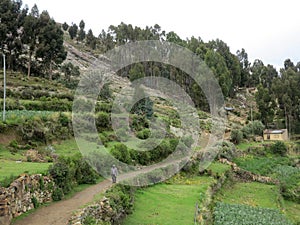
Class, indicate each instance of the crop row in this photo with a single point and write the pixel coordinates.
(236, 214)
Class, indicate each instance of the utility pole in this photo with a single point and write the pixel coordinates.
(4, 86)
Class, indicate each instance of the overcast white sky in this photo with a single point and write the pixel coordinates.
(268, 30)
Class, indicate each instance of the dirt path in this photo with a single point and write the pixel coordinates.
(58, 213)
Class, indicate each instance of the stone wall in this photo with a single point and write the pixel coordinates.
(24, 194)
(248, 176)
(100, 212)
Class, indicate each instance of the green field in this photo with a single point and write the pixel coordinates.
(66, 148)
(253, 194)
(218, 168)
(13, 168)
(259, 195)
(168, 203)
(292, 210)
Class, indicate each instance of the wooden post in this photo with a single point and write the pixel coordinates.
(4, 87)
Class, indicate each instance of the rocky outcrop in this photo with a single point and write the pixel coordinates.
(24, 194)
(34, 156)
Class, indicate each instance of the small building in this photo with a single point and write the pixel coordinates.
(276, 135)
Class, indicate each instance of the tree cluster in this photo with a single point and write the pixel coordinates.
(278, 96)
(29, 39)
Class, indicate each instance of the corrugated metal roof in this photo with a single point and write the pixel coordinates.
(274, 131)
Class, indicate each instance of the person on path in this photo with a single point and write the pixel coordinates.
(114, 173)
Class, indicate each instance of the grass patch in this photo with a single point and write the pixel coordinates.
(292, 210)
(218, 168)
(5, 154)
(168, 203)
(245, 145)
(252, 194)
(66, 148)
(12, 168)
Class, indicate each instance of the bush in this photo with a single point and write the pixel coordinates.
(279, 148)
(61, 174)
(57, 194)
(226, 150)
(144, 134)
(256, 128)
(139, 122)
(103, 121)
(120, 152)
(236, 136)
(121, 199)
(7, 181)
(84, 173)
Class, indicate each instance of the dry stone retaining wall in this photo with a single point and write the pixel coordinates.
(23, 195)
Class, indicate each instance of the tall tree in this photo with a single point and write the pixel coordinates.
(245, 67)
(81, 33)
(31, 31)
(266, 104)
(50, 49)
(12, 18)
(91, 41)
(73, 31)
(218, 65)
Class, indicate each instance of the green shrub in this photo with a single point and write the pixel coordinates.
(279, 148)
(103, 121)
(121, 152)
(254, 128)
(105, 92)
(84, 173)
(104, 139)
(35, 202)
(289, 178)
(7, 181)
(138, 122)
(57, 194)
(42, 184)
(236, 136)
(226, 150)
(89, 220)
(121, 199)
(14, 144)
(28, 159)
(61, 174)
(144, 134)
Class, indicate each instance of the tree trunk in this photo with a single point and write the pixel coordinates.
(29, 65)
(50, 71)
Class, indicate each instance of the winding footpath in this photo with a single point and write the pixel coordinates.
(58, 213)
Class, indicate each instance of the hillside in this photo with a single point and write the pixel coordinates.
(53, 143)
